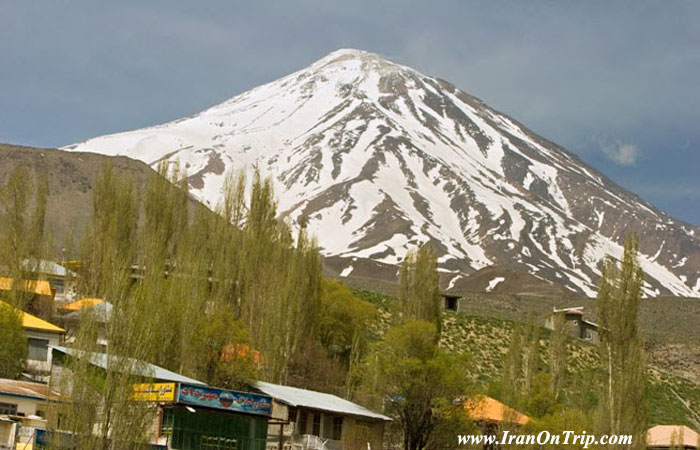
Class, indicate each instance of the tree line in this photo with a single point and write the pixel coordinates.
(235, 296)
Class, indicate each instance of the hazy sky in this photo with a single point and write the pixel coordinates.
(617, 82)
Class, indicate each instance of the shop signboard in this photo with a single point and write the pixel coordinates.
(154, 392)
(223, 399)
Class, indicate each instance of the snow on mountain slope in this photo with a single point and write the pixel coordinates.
(378, 157)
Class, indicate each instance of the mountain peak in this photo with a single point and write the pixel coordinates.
(377, 158)
(355, 59)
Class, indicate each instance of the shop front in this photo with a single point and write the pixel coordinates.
(194, 417)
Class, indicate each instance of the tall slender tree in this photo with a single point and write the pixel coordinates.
(22, 211)
(419, 288)
(623, 405)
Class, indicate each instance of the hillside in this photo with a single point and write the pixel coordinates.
(377, 157)
(72, 177)
(485, 335)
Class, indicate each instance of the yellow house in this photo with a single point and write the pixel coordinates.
(40, 335)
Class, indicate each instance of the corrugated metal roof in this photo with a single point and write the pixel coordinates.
(26, 389)
(316, 400)
(47, 267)
(142, 369)
(34, 323)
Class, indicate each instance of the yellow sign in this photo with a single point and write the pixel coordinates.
(154, 392)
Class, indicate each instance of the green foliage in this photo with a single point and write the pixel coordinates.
(557, 423)
(278, 282)
(418, 381)
(344, 321)
(419, 288)
(541, 401)
(22, 211)
(224, 299)
(521, 366)
(108, 248)
(557, 355)
(13, 349)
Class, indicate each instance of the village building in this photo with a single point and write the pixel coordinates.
(492, 417)
(101, 311)
(304, 419)
(190, 414)
(60, 279)
(22, 412)
(39, 295)
(40, 336)
(672, 437)
(194, 417)
(575, 324)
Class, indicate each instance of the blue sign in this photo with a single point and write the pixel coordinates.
(234, 401)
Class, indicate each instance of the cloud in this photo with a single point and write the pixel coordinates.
(622, 154)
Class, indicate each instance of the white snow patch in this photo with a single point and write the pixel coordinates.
(493, 283)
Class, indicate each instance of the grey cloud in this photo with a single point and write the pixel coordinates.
(623, 154)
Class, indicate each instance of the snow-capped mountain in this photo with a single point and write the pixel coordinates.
(378, 157)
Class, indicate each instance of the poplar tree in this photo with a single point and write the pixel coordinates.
(557, 355)
(97, 409)
(22, 213)
(623, 403)
(109, 245)
(419, 288)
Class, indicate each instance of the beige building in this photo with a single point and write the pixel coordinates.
(311, 420)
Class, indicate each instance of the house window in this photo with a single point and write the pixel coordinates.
(451, 303)
(38, 349)
(337, 428)
(8, 408)
(317, 425)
